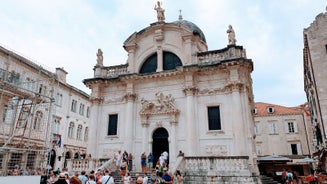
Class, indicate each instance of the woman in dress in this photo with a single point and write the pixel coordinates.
(143, 162)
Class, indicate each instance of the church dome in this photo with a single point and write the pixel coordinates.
(190, 25)
(196, 30)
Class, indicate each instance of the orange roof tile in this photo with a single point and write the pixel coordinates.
(278, 109)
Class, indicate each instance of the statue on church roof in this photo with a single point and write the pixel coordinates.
(160, 12)
(99, 58)
(231, 35)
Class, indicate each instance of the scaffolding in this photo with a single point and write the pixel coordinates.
(26, 109)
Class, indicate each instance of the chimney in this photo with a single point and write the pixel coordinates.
(61, 74)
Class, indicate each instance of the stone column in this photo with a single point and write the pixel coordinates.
(240, 145)
(128, 142)
(173, 144)
(191, 133)
(159, 37)
(131, 54)
(159, 59)
(145, 138)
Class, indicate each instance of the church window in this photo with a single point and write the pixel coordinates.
(150, 65)
(214, 118)
(170, 62)
(112, 125)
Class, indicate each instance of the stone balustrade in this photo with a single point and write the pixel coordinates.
(113, 71)
(80, 165)
(230, 169)
(216, 56)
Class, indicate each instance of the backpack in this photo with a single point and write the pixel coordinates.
(289, 177)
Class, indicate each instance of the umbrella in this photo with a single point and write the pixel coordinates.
(308, 161)
(274, 158)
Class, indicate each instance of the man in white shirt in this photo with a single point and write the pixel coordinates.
(145, 178)
(107, 178)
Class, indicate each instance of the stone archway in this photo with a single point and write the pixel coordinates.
(160, 143)
(52, 158)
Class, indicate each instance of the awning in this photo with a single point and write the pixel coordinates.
(274, 159)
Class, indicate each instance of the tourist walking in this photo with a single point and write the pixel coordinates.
(178, 178)
(118, 158)
(130, 159)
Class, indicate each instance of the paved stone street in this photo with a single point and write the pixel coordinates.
(20, 179)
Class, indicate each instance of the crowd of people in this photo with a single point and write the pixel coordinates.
(124, 165)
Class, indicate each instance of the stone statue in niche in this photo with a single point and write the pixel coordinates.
(231, 35)
(99, 57)
(160, 12)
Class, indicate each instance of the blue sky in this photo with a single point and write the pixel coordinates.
(67, 34)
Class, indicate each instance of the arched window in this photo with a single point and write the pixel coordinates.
(71, 129)
(37, 120)
(86, 134)
(170, 62)
(150, 65)
(76, 155)
(79, 132)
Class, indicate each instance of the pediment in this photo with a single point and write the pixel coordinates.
(161, 105)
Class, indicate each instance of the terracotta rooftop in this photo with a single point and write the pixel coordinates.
(266, 109)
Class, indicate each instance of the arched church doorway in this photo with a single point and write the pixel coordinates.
(51, 158)
(67, 156)
(160, 143)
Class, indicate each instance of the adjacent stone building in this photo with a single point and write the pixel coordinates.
(44, 120)
(283, 131)
(315, 86)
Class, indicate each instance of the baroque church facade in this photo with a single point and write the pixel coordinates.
(174, 94)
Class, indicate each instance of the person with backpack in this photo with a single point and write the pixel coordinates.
(289, 177)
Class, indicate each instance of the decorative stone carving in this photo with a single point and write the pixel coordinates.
(130, 96)
(163, 109)
(163, 105)
(216, 150)
(158, 124)
(96, 100)
(190, 90)
(230, 87)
